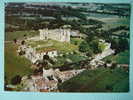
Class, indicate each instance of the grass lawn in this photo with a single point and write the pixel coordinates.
(15, 65)
(76, 57)
(59, 46)
(121, 58)
(99, 80)
(76, 41)
(9, 36)
(73, 57)
(36, 43)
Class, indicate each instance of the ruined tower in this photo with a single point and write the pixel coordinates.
(62, 35)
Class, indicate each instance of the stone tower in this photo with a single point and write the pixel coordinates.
(43, 34)
(65, 35)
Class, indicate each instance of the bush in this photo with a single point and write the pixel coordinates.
(45, 57)
(15, 40)
(21, 53)
(95, 46)
(89, 53)
(114, 65)
(108, 61)
(109, 87)
(23, 42)
(16, 80)
(84, 47)
(120, 44)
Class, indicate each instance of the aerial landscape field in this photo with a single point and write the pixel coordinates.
(67, 47)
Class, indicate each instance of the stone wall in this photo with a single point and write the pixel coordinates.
(62, 35)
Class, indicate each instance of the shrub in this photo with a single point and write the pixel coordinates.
(21, 53)
(95, 46)
(84, 47)
(16, 80)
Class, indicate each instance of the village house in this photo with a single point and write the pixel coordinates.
(39, 83)
(30, 53)
(57, 74)
(43, 84)
(48, 81)
(49, 73)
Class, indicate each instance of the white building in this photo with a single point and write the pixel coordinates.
(63, 75)
(33, 55)
(30, 53)
(50, 52)
(49, 80)
(62, 35)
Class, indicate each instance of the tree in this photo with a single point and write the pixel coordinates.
(84, 47)
(95, 46)
(109, 87)
(90, 36)
(123, 44)
(114, 65)
(21, 53)
(114, 44)
(89, 53)
(25, 35)
(46, 62)
(108, 61)
(23, 42)
(6, 81)
(45, 57)
(119, 45)
(15, 40)
(16, 80)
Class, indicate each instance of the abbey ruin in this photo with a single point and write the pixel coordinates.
(62, 35)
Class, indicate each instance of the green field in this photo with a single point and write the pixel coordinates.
(76, 41)
(14, 64)
(9, 36)
(59, 46)
(121, 58)
(98, 80)
(114, 22)
(73, 58)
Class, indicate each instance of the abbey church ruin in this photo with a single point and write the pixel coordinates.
(62, 35)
